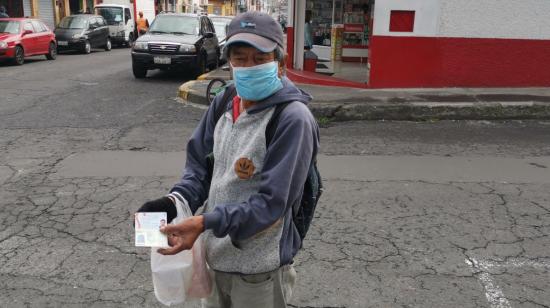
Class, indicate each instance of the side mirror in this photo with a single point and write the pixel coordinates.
(25, 32)
(208, 35)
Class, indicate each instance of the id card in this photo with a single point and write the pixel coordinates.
(147, 229)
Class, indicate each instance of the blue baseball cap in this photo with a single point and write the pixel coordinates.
(256, 29)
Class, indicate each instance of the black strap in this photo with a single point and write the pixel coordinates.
(227, 97)
(273, 122)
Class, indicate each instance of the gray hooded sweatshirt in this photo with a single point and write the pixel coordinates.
(248, 215)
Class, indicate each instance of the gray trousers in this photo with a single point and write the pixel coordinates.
(266, 290)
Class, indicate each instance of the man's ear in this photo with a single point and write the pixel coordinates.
(282, 66)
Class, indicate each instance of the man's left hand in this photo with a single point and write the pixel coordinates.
(187, 232)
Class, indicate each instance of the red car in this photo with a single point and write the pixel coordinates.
(25, 37)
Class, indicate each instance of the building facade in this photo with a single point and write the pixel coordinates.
(443, 43)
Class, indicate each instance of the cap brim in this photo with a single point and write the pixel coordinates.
(259, 42)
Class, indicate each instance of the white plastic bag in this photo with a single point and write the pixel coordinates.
(201, 282)
(177, 277)
(171, 276)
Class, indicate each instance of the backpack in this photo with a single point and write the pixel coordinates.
(302, 213)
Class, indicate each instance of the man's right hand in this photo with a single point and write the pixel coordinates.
(164, 204)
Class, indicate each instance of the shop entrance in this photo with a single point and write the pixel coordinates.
(340, 34)
(13, 8)
(74, 7)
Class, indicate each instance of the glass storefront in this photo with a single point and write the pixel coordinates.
(340, 31)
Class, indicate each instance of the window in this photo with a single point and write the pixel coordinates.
(73, 22)
(127, 14)
(113, 15)
(28, 27)
(174, 24)
(11, 27)
(94, 22)
(38, 26)
(402, 21)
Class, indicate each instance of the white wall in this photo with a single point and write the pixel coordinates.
(520, 19)
(527, 19)
(425, 22)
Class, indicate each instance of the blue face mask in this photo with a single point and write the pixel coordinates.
(257, 82)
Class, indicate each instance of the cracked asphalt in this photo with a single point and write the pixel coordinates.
(390, 238)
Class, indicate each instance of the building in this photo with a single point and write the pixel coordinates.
(429, 43)
(222, 7)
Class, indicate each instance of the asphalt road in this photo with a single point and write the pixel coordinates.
(431, 214)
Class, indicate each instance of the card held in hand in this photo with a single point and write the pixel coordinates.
(147, 229)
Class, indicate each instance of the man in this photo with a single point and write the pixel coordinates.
(142, 24)
(247, 225)
(3, 13)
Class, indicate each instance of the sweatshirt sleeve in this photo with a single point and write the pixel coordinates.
(195, 184)
(285, 169)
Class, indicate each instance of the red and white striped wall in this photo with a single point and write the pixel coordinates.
(460, 43)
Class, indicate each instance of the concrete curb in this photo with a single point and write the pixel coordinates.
(403, 111)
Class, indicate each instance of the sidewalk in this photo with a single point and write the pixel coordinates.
(343, 104)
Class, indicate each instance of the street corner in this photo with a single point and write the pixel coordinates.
(183, 90)
(194, 91)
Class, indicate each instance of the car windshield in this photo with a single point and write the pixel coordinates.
(74, 22)
(11, 27)
(174, 25)
(113, 15)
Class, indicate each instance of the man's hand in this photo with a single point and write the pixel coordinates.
(164, 204)
(186, 232)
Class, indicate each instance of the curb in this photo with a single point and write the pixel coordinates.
(187, 93)
(407, 111)
(433, 111)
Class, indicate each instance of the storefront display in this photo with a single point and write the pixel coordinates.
(342, 25)
(321, 21)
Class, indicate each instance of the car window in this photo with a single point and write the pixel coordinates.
(94, 23)
(38, 26)
(112, 15)
(28, 27)
(11, 27)
(127, 14)
(73, 22)
(101, 21)
(174, 25)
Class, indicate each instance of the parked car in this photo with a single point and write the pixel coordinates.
(25, 37)
(83, 32)
(120, 22)
(176, 41)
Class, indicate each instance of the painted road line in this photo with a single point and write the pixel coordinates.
(493, 293)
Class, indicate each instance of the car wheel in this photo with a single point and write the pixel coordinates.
(139, 71)
(87, 47)
(108, 45)
(52, 52)
(201, 66)
(19, 57)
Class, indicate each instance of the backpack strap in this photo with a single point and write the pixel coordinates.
(273, 122)
(229, 93)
